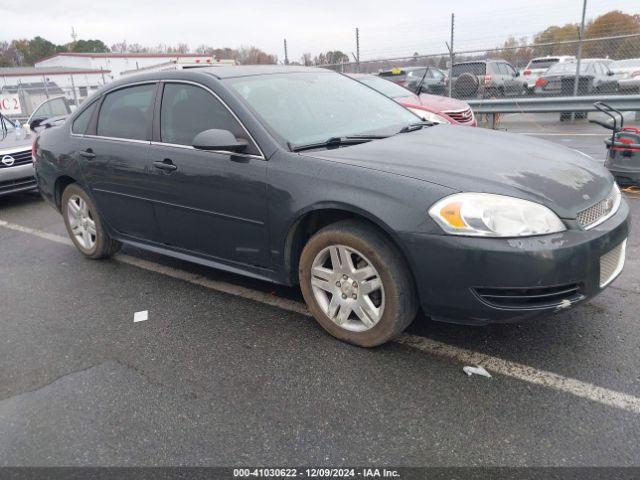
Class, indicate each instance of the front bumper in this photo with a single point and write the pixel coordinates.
(17, 179)
(453, 273)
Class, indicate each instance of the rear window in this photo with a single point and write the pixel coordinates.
(543, 62)
(81, 122)
(478, 68)
(569, 67)
(126, 113)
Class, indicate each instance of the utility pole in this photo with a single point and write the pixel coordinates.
(357, 50)
(286, 54)
(451, 54)
(579, 53)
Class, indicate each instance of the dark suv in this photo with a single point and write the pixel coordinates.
(486, 79)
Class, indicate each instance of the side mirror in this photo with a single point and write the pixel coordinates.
(517, 74)
(216, 139)
(35, 123)
(610, 73)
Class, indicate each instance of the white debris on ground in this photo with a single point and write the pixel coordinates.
(141, 316)
(476, 371)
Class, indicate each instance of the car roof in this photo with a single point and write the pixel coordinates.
(252, 70)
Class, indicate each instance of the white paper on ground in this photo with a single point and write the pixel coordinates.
(141, 316)
(476, 370)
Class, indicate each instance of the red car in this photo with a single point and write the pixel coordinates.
(433, 108)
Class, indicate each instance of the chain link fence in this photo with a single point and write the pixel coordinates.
(606, 65)
(19, 97)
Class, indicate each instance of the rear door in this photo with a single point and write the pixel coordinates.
(115, 156)
(212, 203)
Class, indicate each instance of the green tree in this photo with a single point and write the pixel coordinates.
(89, 46)
(39, 48)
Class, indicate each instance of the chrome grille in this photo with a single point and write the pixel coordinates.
(460, 116)
(598, 213)
(22, 157)
(611, 264)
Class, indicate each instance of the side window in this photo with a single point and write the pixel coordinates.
(81, 122)
(504, 69)
(437, 74)
(126, 113)
(511, 71)
(51, 108)
(188, 110)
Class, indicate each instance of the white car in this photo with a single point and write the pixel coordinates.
(537, 66)
(627, 72)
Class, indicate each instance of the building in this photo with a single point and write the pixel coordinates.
(28, 86)
(118, 63)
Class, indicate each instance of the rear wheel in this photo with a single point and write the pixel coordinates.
(356, 284)
(84, 224)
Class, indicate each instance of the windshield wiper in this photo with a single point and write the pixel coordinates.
(416, 126)
(337, 142)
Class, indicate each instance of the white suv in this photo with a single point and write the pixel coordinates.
(537, 66)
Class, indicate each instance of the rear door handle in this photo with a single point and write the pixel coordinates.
(88, 154)
(166, 165)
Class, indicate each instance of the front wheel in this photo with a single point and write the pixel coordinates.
(356, 284)
(84, 224)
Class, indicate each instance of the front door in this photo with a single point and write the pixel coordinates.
(210, 203)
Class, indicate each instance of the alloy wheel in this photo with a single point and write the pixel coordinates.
(81, 222)
(348, 288)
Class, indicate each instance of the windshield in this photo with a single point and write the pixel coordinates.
(569, 67)
(312, 107)
(630, 63)
(7, 123)
(386, 87)
(543, 62)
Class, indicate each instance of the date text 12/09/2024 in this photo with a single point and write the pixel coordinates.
(315, 473)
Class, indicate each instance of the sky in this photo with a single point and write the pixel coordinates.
(387, 28)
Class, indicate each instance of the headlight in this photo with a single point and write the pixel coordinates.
(488, 215)
(429, 116)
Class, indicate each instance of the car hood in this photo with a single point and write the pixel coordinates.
(480, 160)
(437, 103)
(15, 139)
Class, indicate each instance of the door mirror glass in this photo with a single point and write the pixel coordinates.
(216, 139)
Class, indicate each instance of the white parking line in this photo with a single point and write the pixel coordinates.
(497, 365)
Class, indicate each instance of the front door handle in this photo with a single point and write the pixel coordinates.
(88, 154)
(166, 165)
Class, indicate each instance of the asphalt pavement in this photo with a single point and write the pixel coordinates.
(213, 378)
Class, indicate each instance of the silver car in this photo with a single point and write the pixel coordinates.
(16, 163)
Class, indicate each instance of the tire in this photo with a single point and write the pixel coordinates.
(85, 227)
(394, 303)
(467, 85)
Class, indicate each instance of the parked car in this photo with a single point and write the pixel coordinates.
(630, 84)
(485, 79)
(16, 163)
(304, 176)
(51, 112)
(538, 66)
(433, 108)
(595, 78)
(627, 73)
(431, 79)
